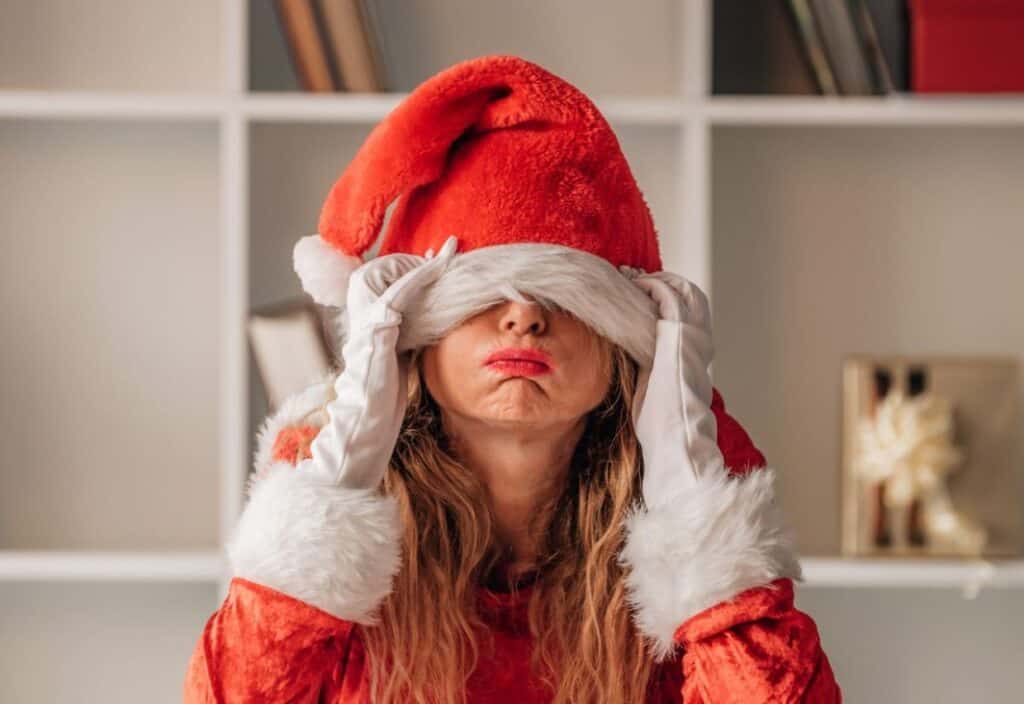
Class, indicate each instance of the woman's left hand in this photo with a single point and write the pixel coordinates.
(672, 412)
(710, 560)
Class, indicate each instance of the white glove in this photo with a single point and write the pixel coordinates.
(704, 535)
(354, 447)
(672, 413)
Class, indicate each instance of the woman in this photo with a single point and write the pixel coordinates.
(521, 487)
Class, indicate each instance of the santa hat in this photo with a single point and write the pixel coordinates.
(522, 168)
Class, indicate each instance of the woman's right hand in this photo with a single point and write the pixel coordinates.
(354, 447)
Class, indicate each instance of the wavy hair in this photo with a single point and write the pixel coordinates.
(432, 630)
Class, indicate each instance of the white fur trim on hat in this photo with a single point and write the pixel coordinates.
(586, 285)
(323, 270)
(708, 544)
(335, 548)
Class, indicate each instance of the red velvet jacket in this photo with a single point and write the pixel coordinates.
(264, 646)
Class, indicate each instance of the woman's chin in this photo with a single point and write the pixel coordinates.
(519, 400)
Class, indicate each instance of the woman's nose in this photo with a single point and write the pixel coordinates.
(523, 318)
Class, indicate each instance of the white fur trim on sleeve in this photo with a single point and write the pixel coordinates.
(715, 540)
(323, 270)
(335, 548)
(302, 408)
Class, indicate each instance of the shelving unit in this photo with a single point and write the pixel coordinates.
(208, 171)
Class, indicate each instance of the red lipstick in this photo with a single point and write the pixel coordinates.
(520, 361)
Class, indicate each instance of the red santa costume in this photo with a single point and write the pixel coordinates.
(523, 169)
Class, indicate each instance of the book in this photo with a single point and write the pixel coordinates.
(814, 47)
(291, 347)
(352, 45)
(306, 46)
(376, 37)
(756, 49)
(881, 73)
(891, 22)
(378, 45)
(844, 46)
(967, 46)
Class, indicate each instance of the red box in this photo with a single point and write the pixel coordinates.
(967, 46)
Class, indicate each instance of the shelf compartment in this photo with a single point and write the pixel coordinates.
(111, 45)
(422, 37)
(111, 281)
(99, 642)
(892, 644)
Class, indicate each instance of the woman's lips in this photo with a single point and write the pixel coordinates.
(519, 361)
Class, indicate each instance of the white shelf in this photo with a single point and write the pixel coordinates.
(867, 111)
(358, 108)
(46, 565)
(865, 572)
(211, 567)
(278, 107)
(653, 110)
(301, 107)
(135, 106)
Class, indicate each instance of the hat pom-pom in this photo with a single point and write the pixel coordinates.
(323, 270)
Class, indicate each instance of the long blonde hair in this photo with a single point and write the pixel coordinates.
(431, 633)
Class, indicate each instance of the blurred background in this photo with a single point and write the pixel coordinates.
(844, 178)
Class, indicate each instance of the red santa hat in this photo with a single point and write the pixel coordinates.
(497, 151)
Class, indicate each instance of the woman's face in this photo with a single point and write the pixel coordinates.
(517, 364)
